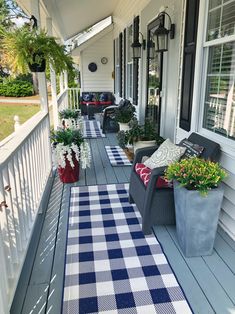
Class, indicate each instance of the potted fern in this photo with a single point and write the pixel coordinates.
(23, 49)
(198, 197)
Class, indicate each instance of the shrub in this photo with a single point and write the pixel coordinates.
(16, 88)
(196, 174)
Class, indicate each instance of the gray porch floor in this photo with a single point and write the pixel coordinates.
(208, 282)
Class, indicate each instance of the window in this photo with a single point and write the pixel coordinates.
(129, 64)
(219, 101)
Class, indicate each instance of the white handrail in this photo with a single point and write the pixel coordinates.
(25, 166)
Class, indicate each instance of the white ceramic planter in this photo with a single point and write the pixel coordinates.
(141, 144)
(123, 126)
(197, 219)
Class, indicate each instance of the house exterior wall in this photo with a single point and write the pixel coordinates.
(100, 80)
(171, 64)
(227, 160)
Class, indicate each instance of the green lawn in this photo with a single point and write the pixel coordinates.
(7, 113)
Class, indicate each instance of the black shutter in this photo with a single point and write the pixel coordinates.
(124, 63)
(135, 62)
(120, 64)
(114, 67)
(191, 23)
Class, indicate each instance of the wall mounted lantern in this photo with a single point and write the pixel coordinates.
(160, 35)
(136, 47)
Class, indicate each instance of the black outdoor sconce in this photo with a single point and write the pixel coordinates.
(136, 47)
(160, 35)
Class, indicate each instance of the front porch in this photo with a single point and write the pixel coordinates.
(208, 282)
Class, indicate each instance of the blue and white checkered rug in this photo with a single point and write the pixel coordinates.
(111, 267)
(91, 129)
(117, 156)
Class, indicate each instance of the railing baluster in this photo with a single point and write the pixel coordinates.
(12, 224)
(5, 230)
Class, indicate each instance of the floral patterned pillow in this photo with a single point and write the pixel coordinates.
(166, 154)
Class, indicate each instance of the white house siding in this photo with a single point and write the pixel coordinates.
(227, 160)
(101, 80)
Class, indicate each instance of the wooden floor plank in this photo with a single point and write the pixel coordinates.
(100, 175)
(41, 272)
(222, 273)
(225, 251)
(57, 277)
(36, 299)
(192, 290)
(108, 169)
(217, 296)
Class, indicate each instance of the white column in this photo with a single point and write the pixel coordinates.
(61, 83)
(42, 85)
(65, 79)
(53, 83)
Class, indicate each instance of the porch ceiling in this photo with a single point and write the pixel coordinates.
(73, 16)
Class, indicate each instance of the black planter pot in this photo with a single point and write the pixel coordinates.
(36, 67)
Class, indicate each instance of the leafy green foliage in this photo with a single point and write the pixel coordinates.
(67, 137)
(22, 46)
(124, 113)
(122, 139)
(196, 174)
(16, 88)
(68, 114)
(146, 132)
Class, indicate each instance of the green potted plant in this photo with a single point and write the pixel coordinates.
(71, 117)
(123, 114)
(142, 135)
(23, 49)
(70, 149)
(198, 197)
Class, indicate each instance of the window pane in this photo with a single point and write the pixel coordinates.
(129, 42)
(219, 113)
(221, 19)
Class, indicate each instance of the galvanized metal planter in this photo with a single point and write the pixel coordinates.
(197, 219)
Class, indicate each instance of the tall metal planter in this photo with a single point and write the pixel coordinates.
(197, 219)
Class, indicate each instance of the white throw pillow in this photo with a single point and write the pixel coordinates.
(166, 154)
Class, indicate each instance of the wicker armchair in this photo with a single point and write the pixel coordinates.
(156, 205)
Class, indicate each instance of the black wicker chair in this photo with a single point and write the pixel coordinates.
(157, 205)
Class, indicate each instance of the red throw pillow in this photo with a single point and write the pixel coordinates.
(145, 173)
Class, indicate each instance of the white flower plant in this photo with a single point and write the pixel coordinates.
(67, 143)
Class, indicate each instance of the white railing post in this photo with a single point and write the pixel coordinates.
(53, 82)
(61, 83)
(17, 123)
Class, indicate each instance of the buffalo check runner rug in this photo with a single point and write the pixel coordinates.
(117, 156)
(91, 129)
(111, 267)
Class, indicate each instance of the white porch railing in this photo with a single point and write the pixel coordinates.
(25, 166)
(69, 98)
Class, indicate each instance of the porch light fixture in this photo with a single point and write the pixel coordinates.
(136, 47)
(161, 33)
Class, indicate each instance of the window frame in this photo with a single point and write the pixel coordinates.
(129, 66)
(227, 144)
